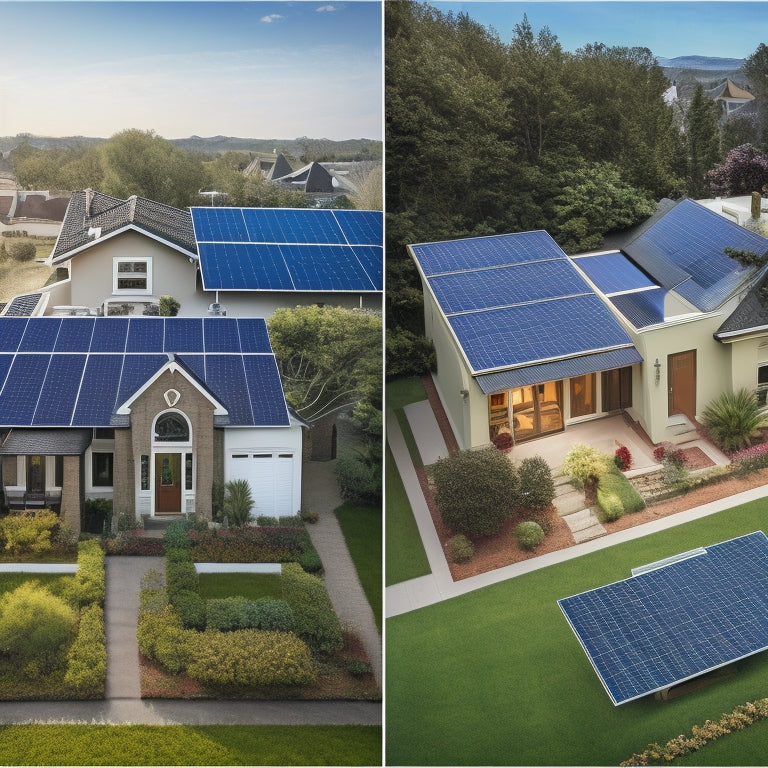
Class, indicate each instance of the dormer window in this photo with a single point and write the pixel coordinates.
(132, 275)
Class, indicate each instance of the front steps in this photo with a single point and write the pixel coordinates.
(571, 506)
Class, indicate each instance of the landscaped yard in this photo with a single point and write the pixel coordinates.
(497, 677)
(187, 745)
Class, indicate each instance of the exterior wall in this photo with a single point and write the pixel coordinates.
(71, 496)
(9, 470)
(92, 270)
(746, 355)
(124, 494)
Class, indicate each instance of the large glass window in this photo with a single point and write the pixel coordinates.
(583, 395)
(132, 275)
(172, 428)
(537, 410)
(102, 470)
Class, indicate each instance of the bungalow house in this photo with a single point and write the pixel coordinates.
(530, 340)
(730, 96)
(147, 412)
(120, 256)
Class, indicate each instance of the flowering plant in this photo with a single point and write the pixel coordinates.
(623, 458)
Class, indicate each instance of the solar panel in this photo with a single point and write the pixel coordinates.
(507, 286)
(642, 308)
(499, 338)
(136, 371)
(184, 334)
(221, 336)
(75, 334)
(253, 335)
(265, 390)
(109, 335)
(98, 391)
(145, 334)
(58, 394)
(613, 272)
(285, 249)
(11, 331)
(225, 375)
(21, 390)
(479, 252)
(677, 621)
(40, 335)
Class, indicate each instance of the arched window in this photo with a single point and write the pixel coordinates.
(171, 428)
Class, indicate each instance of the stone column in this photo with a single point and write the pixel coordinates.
(71, 501)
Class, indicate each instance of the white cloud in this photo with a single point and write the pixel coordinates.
(328, 8)
(272, 17)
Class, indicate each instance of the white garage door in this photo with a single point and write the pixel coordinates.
(270, 476)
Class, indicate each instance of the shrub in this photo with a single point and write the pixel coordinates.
(290, 521)
(460, 548)
(172, 648)
(751, 459)
(87, 656)
(540, 517)
(358, 667)
(585, 464)
(152, 627)
(274, 615)
(22, 250)
(238, 502)
(97, 514)
(266, 520)
(180, 576)
(191, 608)
(316, 621)
(359, 477)
(475, 491)
(503, 441)
(610, 505)
(34, 624)
(176, 535)
(169, 307)
(309, 515)
(623, 458)
(616, 495)
(310, 561)
(228, 613)
(733, 419)
(28, 532)
(90, 579)
(249, 657)
(529, 534)
(250, 544)
(537, 488)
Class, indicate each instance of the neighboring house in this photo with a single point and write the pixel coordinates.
(123, 255)
(730, 96)
(36, 213)
(147, 412)
(530, 340)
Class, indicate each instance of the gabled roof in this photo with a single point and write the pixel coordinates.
(79, 371)
(312, 178)
(750, 316)
(92, 216)
(281, 167)
(684, 251)
(517, 304)
(729, 90)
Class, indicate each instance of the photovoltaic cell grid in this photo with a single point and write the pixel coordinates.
(665, 626)
(77, 371)
(684, 251)
(286, 249)
(613, 273)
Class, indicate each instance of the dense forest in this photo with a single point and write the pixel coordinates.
(485, 136)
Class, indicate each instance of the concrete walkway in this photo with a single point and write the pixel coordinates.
(123, 704)
(320, 492)
(439, 585)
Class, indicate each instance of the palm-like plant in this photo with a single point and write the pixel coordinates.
(238, 502)
(733, 419)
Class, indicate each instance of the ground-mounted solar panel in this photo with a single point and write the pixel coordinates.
(677, 621)
(109, 335)
(11, 331)
(98, 390)
(613, 272)
(145, 334)
(219, 225)
(361, 227)
(507, 286)
(325, 268)
(21, 391)
(292, 225)
(225, 377)
(40, 335)
(641, 308)
(540, 331)
(136, 371)
(183, 334)
(75, 334)
(479, 252)
(253, 335)
(242, 266)
(58, 394)
(266, 391)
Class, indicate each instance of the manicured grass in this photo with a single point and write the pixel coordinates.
(401, 392)
(405, 555)
(361, 526)
(249, 585)
(187, 745)
(496, 676)
(10, 581)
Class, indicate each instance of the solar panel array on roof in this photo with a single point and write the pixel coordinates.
(514, 300)
(685, 251)
(676, 621)
(72, 371)
(285, 249)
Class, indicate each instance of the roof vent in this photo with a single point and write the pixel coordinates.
(94, 232)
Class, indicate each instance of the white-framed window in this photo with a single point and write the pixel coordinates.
(132, 275)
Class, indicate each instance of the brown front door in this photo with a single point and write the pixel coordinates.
(167, 483)
(682, 383)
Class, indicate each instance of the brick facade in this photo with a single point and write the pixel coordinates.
(71, 492)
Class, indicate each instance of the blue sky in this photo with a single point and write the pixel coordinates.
(669, 29)
(251, 69)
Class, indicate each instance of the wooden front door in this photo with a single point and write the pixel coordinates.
(681, 369)
(167, 483)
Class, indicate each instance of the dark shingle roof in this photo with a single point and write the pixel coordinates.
(750, 315)
(91, 211)
(51, 442)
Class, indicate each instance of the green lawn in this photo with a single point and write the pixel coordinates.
(405, 556)
(361, 526)
(187, 745)
(249, 585)
(497, 677)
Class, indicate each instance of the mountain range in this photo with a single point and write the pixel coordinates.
(700, 62)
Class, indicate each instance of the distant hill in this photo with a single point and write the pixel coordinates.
(700, 62)
(317, 149)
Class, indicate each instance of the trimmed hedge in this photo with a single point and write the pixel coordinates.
(26, 532)
(90, 580)
(191, 607)
(461, 549)
(616, 495)
(87, 657)
(316, 621)
(529, 534)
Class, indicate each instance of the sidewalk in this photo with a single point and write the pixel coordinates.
(439, 585)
